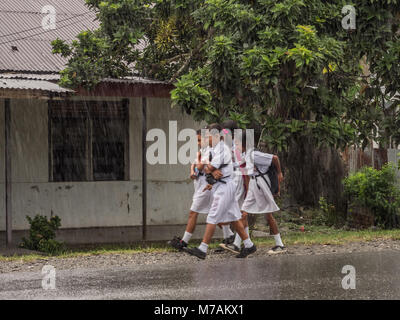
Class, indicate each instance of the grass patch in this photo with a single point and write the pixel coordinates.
(314, 235)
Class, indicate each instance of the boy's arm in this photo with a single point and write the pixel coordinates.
(276, 162)
(209, 168)
(192, 173)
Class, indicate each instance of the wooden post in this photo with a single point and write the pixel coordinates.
(7, 157)
(144, 167)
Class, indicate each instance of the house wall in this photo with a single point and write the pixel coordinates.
(92, 204)
(2, 170)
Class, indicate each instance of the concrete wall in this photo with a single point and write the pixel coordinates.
(2, 170)
(92, 204)
(394, 157)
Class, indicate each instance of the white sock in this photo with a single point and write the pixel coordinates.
(227, 231)
(187, 236)
(247, 243)
(278, 240)
(203, 247)
(238, 241)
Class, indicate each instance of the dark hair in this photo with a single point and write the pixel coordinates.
(198, 132)
(230, 124)
(214, 126)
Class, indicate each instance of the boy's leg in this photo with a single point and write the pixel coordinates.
(238, 240)
(201, 250)
(273, 227)
(249, 246)
(192, 221)
(229, 236)
(210, 229)
(179, 243)
(190, 227)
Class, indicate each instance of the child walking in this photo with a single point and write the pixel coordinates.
(259, 199)
(224, 208)
(201, 200)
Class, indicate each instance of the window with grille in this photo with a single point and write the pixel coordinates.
(88, 141)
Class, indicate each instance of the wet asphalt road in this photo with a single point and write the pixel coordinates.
(283, 277)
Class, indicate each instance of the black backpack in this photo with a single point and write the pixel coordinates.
(272, 174)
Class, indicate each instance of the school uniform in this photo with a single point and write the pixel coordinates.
(240, 193)
(202, 199)
(259, 198)
(224, 207)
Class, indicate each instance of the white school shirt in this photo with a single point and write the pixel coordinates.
(236, 162)
(205, 155)
(259, 159)
(222, 155)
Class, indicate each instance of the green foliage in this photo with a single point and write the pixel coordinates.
(378, 191)
(328, 215)
(42, 233)
(398, 163)
(289, 60)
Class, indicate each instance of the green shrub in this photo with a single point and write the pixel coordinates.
(376, 190)
(327, 214)
(42, 232)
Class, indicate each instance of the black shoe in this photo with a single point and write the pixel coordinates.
(277, 250)
(225, 243)
(177, 243)
(246, 251)
(229, 240)
(196, 252)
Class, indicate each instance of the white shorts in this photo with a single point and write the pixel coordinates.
(259, 198)
(240, 193)
(201, 200)
(224, 207)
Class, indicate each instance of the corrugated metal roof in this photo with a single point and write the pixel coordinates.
(56, 77)
(135, 80)
(27, 76)
(18, 84)
(25, 45)
(34, 6)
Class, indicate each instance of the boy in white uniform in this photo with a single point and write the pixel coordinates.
(229, 127)
(224, 208)
(259, 199)
(201, 200)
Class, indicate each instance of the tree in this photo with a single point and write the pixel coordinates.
(287, 67)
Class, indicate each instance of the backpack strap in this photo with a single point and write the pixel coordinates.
(262, 175)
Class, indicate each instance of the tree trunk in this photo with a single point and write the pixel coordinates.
(311, 173)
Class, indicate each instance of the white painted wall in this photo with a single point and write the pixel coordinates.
(393, 157)
(2, 170)
(92, 204)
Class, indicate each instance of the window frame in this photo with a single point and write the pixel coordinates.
(89, 174)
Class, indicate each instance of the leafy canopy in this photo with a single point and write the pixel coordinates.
(287, 66)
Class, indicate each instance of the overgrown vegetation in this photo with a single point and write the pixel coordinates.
(42, 233)
(377, 191)
(288, 68)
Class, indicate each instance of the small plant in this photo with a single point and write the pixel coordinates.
(398, 163)
(42, 233)
(377, 191)
(327, 214)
